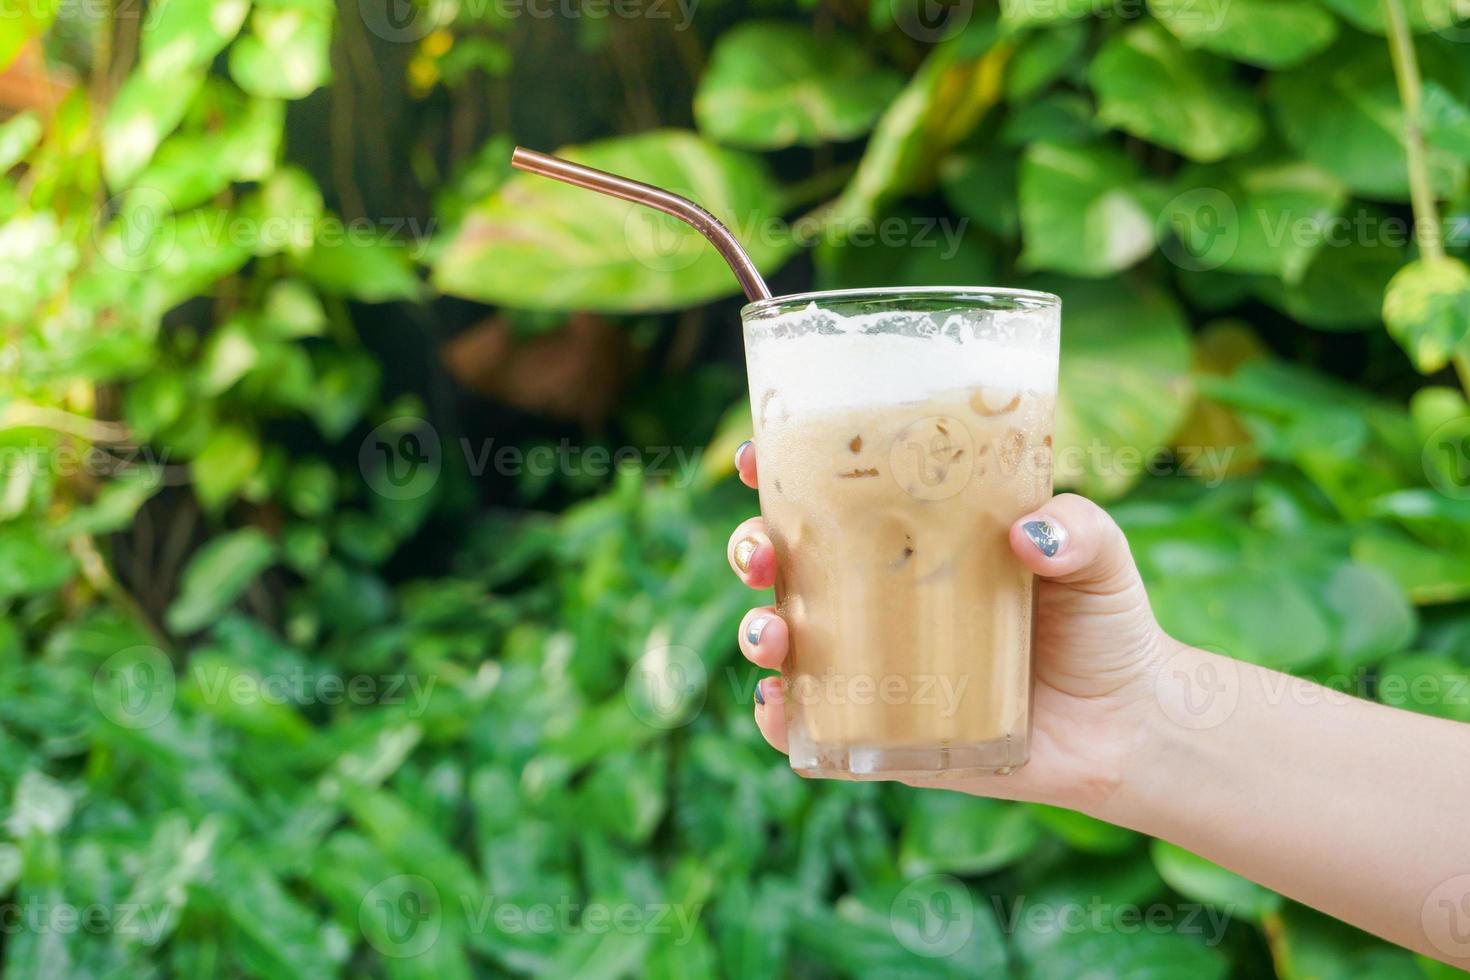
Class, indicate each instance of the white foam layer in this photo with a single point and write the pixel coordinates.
(852, 364)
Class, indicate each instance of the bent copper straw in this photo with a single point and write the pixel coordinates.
(653, 197)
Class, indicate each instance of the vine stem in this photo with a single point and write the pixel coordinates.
(1411, 93)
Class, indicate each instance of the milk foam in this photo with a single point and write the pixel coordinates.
(818, 361)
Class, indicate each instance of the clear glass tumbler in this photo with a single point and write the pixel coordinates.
(901, 432)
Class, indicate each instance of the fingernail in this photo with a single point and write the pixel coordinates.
(1047, 537)
(755, 629)
(744, 552)
(759, 697)
(740, 451)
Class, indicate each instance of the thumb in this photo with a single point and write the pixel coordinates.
(1074, 542)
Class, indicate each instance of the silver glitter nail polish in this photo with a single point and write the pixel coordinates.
(755, 629)
(1047, 537)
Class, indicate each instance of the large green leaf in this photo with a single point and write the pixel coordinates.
(1269, 33)
(770, 85)
(963, 834)
(1343, 284)
(540, 244)
(1342, 112)
(1265, 216)
(1306, 943)
(183, 35)
(286, 53)
(951, 92)
(1080, 210)
(1204, 881)
(1151, 86)
(1124, 384)
(147, 108)
(217, 575)
(1423, 15)
(1427, 310)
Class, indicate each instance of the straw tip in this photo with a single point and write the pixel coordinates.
(520, 156)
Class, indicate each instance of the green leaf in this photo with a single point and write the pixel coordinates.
(963, 834)
(146, 109)
(184, 35)
(371, 270)
(1204, 881)
(1427, 310)
(1306, 943)
(21, 23)
(1371, 616)
(230, 457)
(1342, 112)
(943, 102)
(1254, 217)
(1268, 33)
(1342, 286)
(31, 560)
(19, 135)
(1024, 13)
(1446, 120)
(1124, 385)
(982, 187)
(1152, 87)
(771, 84)
(286, 54)
(540, 244)
(1042, 58)
(1427, 683)
(1427, 573)
(1423, 15)
(1266, 616)
(1080, 212)
(1110, 953)
(217, 575)
(1082, 832)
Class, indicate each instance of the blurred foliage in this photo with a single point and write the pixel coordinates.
(279, 702)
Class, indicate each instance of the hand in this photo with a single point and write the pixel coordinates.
(1096, 650)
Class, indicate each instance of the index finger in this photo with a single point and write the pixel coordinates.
(745, 463)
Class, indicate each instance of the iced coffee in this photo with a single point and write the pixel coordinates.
(901, 433)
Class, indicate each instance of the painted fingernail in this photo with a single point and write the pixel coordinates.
(1047, 537)
(740, 451)
(744, 552)
(760, 698)
(755, 629)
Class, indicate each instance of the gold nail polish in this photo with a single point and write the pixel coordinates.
(744, 552)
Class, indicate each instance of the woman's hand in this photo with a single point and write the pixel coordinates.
(1097, 644)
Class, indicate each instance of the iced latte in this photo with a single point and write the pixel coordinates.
(901, 433)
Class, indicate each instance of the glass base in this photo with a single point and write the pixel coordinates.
(994, 758)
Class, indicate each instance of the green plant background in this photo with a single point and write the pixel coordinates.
(235, 237)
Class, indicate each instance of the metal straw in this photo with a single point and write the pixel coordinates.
(653, 197)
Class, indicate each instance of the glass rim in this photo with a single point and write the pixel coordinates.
(1033, 299)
